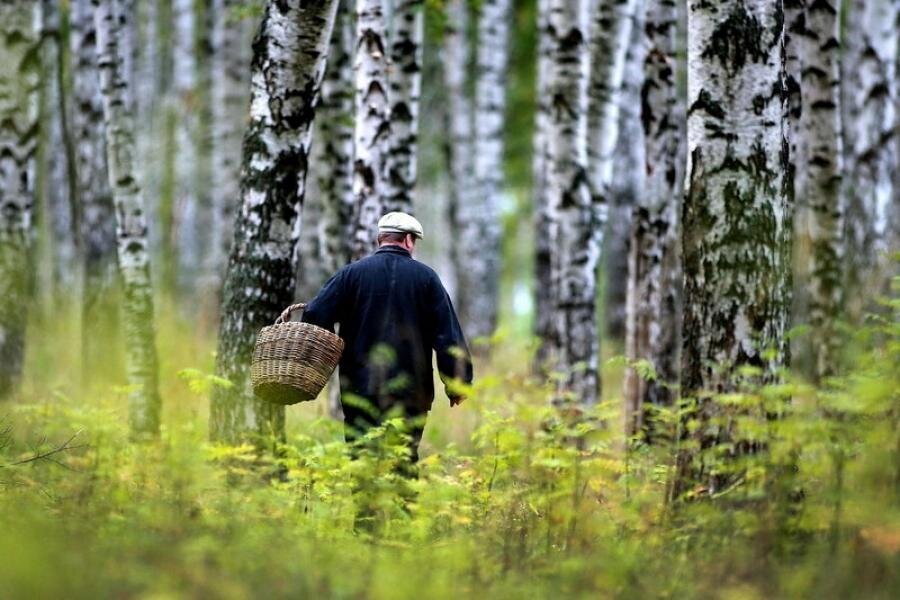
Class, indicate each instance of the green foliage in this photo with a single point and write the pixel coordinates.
(513, 498)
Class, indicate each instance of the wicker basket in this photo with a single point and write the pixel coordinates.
(293, 361)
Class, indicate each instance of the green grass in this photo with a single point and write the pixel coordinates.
(508, 504)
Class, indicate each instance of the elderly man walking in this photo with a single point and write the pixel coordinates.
(393, 312)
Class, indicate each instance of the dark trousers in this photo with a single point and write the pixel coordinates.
(361, 415)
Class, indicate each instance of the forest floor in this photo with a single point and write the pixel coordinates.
(507, 504)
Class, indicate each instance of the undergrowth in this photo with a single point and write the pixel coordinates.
(512, 499)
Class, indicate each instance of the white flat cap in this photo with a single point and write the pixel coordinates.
(398, 222)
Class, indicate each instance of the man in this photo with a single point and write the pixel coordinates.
(393, 311)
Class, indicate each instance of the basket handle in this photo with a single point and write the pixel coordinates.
(286, 313)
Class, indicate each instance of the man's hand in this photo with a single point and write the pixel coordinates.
(457, 400)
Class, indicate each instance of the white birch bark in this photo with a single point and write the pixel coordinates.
(871, 185)
(372, 132)
(98, 223)
(131, 227)
(480, 221)
(610, 32)
(405, 80)
(288, 65)
(821, 127)
(59, 206)
(654, 274)
(455, 57)
(335, 180)
(573, 213)
(186, 108)
(230, 82)
(626, 182)
(19, 131)
(736, 234)
(543, 288)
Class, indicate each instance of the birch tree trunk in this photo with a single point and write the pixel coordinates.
(187, 112)
(610, 31)
(19, 132)
(57, 190)
(131, 229)
(543, 284)
(288, 66)
(737, 213)
(405, 79)
(626, 184)
(654, 274)
(230, 81)
(573, 213)
(480, 221)
(458, 148)
(372, 130)
(336, 127)
(821, 127)
(98, 230)
(870, 83)
(335, 228)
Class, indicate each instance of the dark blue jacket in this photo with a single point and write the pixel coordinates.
(393, 311)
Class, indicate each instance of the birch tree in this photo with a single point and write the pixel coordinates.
(98, 231)
(58, 205)
(111, 23)
(821, 126)
(573, 214)
(543, 286)
(455, 58)
(230, 81)
(626, 182)
(736, 233)
(610, 32)
(870, 97)
(186, 116)
(654, 290)
(19, 131)
(372, 131)
(336, 128)
(405, 79)
(480, 221)
(287, 70)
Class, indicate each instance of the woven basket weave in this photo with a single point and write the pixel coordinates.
(293, 361)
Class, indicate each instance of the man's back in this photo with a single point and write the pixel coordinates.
(393, 311)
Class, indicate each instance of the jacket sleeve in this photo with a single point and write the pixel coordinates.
(454, 361)
(325, 309)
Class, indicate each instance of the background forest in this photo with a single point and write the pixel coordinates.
(670, 230)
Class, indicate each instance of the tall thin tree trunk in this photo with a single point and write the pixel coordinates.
(458, 147)
(187, 114)
(289, 55)
(336, 177)
(480, 221)
(543, 245)
(112, 24)
(405, 79)
(98, 230)
(654, 274)
(61, 210)
(821, 126)
(736, 233)
(19, 132)
(871, 186)
(336, 128)
(230, 82)
(573, 214)
(610, 31)
(372, 131)
(626, 183)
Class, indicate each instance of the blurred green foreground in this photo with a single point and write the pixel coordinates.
(510, 503)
